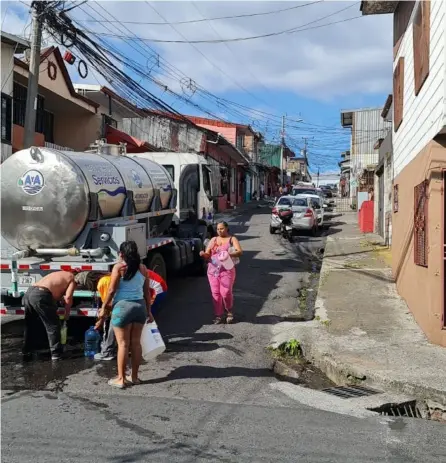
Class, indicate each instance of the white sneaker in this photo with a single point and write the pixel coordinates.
(101, 356)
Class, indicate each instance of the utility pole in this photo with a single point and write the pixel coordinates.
(304, 152)
(33, 78)
(282, 150)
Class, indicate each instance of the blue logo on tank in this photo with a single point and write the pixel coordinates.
(137, 179)
(32, 182)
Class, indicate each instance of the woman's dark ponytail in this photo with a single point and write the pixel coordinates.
(130, 256)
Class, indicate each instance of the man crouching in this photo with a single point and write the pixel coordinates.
(40, 301)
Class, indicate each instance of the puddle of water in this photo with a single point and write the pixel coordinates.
(41, 373)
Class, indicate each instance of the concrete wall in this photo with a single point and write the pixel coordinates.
(76, 131)
(228, 132)
(7, 66)
(223, 158)
(423, 115)
(385, 155)
(165, 134)
(421, 287)
(18, 136)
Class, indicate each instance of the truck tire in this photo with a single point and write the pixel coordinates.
(156, 264)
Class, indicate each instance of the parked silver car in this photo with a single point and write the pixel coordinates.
(318, 206)
(304, 213)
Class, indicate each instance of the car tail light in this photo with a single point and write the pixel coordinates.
(309, 213)
(274, 211)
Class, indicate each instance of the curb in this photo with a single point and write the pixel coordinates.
(285, 372)
(341, 372)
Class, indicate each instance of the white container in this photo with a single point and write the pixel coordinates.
(151, 341)
(225, 260)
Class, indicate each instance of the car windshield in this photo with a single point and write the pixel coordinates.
(303, 191)
(284, 202)
(300, 202)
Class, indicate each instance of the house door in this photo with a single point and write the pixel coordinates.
(381, 203)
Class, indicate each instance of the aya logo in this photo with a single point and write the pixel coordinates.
(32, 182)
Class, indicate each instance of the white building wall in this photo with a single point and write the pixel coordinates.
(7, 67)
(164, 134)
(424, 115)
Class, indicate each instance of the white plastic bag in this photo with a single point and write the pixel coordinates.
(236, 260)
(151, 341)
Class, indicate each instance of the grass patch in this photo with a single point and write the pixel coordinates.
(289, 349)
(325, 322)
(303, 298)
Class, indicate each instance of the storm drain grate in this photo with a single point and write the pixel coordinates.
(407, 409)
(350, 392)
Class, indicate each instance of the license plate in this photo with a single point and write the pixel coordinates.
(26, 280)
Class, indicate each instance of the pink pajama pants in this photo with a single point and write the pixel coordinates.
(221, 289)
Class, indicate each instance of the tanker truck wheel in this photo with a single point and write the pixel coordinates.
(157, 264)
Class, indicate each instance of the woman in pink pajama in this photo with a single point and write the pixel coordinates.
(221, 280)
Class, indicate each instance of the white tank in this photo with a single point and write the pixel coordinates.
(159, 175)
(46, 193)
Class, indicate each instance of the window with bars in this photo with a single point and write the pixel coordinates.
(19, 93)
(421, 202)
(6, 119)
(44, 119)
(108, 120)
(240, 142)
(395, 198)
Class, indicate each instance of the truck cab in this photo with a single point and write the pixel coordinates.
(197, 181)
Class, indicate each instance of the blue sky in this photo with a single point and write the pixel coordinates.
(311, 74)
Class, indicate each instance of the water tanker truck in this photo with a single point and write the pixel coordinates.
(64, 210)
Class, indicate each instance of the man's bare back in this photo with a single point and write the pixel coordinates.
(57, 283)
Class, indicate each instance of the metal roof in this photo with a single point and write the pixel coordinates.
(10, 39)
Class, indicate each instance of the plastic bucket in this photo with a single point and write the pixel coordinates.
(225, 260)
(151, 341)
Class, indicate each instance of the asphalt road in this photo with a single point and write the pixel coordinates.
(211, 397)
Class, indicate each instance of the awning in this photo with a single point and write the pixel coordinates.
(134, 145)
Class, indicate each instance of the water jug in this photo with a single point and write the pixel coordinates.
(91, 342)
(226, 260)
(152, 343)
(63, 333)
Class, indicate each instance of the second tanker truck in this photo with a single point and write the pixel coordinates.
(62, 210)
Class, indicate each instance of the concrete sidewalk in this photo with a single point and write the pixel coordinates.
(363, 331)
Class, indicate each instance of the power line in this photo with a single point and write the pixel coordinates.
(230, 49)
(292, 30)
(204, 56)
(191, 21)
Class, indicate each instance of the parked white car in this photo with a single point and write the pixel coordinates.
(304, 213)
(318, 205)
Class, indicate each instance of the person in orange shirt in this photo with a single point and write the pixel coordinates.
(158, 289)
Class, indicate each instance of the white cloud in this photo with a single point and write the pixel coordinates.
(339, 60)
(323, 63)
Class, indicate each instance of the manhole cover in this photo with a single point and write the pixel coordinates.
(350, 392)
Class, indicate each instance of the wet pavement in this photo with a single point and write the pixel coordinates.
(187, 309)
(212, 397)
